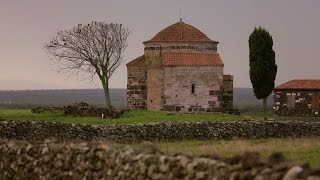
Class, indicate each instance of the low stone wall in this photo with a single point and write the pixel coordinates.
(28, 130)
(27, 160)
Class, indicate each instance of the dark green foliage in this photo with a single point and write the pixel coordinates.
(263, 68)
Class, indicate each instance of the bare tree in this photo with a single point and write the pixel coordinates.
(95, 48)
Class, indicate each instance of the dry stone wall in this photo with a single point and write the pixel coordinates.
(27, 130)
(82, 160)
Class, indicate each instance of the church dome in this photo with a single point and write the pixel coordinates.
(180, 32)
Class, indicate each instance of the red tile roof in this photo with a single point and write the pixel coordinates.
(139, 61)
(191, 59)
(303, 84)
(180, 32)
(180, 59)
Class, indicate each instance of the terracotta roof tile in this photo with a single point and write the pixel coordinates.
(180, 32)
(305, 84)
(139, 61)
(191, 59)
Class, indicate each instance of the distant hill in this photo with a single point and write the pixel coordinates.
(31, 98)
(243, 97)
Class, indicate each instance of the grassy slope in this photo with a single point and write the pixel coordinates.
(300, 149)
(131, 117)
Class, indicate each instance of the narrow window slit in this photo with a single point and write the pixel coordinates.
(193, 88)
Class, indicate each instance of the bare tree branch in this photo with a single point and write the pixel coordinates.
(96, 48)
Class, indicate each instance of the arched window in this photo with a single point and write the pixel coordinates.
(193, 88)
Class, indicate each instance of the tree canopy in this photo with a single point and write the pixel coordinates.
(263, 68)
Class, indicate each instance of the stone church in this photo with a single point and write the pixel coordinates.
(179, 71)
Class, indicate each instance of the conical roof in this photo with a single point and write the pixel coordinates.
(180, 32)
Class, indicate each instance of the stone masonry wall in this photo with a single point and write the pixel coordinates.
(83, 160)
(227, 103)
(26, 130)
(155, 89)
(155, 77)
(208, 88)
(137, 88)
(302, 103)
(155, 48)
(152, 56)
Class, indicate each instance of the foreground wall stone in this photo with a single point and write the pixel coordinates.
(54, 160)
(27, 130)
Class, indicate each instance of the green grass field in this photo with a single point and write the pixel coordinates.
(299, 149)
(306, 149)
(131, 117)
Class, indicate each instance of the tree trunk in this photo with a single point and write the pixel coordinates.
(265, 108)
(264, 105)
(105, 86)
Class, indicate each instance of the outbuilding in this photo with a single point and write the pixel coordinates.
(297, 98)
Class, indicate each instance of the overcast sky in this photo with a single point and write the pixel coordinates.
(27, 25)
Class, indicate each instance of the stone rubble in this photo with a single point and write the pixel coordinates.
(98, 160)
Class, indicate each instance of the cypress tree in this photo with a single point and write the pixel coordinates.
(263, 68)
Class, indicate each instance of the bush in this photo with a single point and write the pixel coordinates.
(82, 109)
